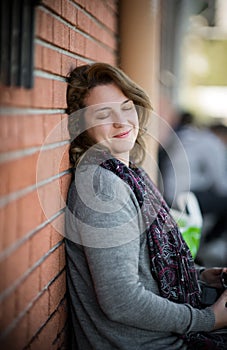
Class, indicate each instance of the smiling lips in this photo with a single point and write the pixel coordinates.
(122, 135)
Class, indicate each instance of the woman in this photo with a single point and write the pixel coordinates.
(132, 282)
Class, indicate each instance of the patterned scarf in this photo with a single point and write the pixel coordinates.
(172, 265)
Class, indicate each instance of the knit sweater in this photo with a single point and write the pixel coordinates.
(114, 300)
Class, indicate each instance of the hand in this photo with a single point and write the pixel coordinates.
(212, 276)
(220, 311)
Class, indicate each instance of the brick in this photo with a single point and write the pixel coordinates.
(76, 42)
(49, 57)
(17, 339)
(18, 173)
(96, 30)
(15, 96)
(65, 182)
(38, 57)
(109, 20)
(9, 133)
(56, 292)
(64, 163)
(50, 201)
(47, 335)
(60, 34)
(83, 21)
(18, 134)
(9, 223)
(20, 130)
(30, 213)
(52, 162)
(101, 13)
(4, 183)
(40, 244)
(62, 257)
(2, 228)
(38, 314)
(80, 62)
(34, 344)
(38, 97)
(62, 342)
(4, 132)
(41, 93)
(72, 41)
(5, 95)
(49, 268)
(110, 40)
(82, 3)
(7, 310)
(64, 127)
(54, 130)
(67, 65)
(14, 266)
(26, 127)
(90, 49)
(57, 229)
(59, 88)
(44, 25)
(69, 13)
(55, 5)
(50, 332)
(63, 311)
(56, 237)
(20, 217)
(113, 5)
(27, 290)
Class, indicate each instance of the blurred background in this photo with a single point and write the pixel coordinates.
(193, 100)
(193, 59)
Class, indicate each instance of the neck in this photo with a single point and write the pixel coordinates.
(124, 158)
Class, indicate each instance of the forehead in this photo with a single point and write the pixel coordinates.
(104, 94)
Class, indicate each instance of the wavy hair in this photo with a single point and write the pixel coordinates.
(80, 81)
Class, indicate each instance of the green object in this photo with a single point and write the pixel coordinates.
(189, 219)
(192, 236)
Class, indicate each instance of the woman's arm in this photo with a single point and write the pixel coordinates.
(124, 299)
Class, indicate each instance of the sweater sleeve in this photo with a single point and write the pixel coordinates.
(114, 265)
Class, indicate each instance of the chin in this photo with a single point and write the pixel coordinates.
(123, 149)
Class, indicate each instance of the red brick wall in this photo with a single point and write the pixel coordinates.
(33, 308)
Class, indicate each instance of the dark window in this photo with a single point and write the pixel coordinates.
(17, 42)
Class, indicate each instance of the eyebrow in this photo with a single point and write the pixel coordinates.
(107, 108)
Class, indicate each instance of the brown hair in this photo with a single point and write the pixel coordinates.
(80, 81)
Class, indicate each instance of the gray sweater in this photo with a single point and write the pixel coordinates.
(114, 300)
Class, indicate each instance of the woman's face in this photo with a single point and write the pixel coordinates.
(111, 120)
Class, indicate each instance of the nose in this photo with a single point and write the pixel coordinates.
(118, 120)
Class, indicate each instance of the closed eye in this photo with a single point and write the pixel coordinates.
(127, 105)
(103, 114)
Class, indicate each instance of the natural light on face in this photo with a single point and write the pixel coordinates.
(111, 120)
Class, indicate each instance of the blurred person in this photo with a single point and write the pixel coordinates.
(131, 279)
(204, 154)
(220, 130)
(206, 158)
(220, 226)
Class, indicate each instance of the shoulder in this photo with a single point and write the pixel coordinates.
(98, 191)
(104, 207)
(99, 182)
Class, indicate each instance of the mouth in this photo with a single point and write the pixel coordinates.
(123, 134)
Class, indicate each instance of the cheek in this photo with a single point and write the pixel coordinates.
(98, 133)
